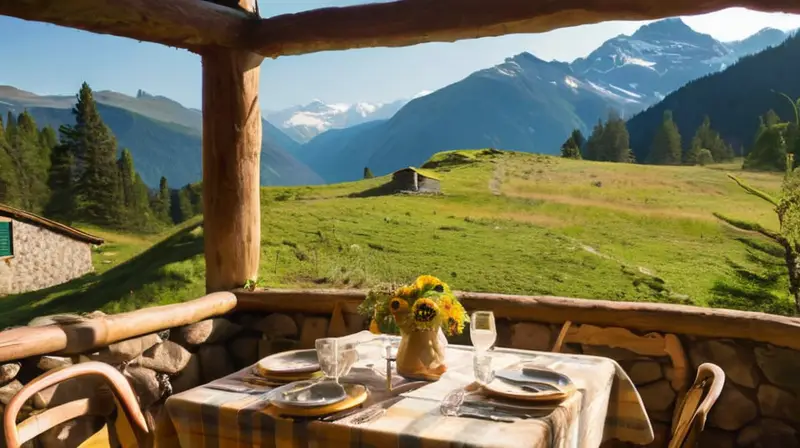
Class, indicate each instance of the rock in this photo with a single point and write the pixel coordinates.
(56, 319)
(69, 390)
(9, 390)
(733, 409)
(313, 328)
(778, 403)
(737, 362)
(248, 320)
(503, 333)
(167, 357)
(190, 377)
(145, 382)
(214, 362)
(8, 372)
(124, 351)
(716, 438)
(643, 372)
(657, 396)
(209, 331)
(355, 322)
(768, 433)
(244, 351)
(531, 336)
(53, 362)
(268, 347)
(277, 325)
(780, 366)
(615, 353)
(71, 433)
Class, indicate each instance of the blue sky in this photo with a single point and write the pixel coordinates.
(42, 58)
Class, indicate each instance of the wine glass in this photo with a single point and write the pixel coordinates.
(482, 330)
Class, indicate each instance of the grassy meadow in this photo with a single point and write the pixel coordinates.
(511, 222)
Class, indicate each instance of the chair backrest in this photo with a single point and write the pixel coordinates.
(99, 404)
(690, 416)
(561, 336)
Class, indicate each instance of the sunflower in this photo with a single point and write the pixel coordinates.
(426, 283)
(426, 314)
(406, 292)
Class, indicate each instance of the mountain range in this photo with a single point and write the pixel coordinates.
(302, 123)
(732, 99)
(524, 103)
(163, 136)
(532, 105)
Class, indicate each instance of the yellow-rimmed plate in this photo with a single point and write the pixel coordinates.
(356, 395)
(521, 384)
(289, 363)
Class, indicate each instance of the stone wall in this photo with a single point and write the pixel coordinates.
(758, 407)
(42, 258)
(160, 364)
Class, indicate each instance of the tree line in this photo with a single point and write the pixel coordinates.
(610, 142)
(76, 175)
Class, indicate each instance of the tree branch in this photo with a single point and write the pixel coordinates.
(754, 191)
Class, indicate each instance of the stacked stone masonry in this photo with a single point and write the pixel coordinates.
(759, 406)
(42, 258)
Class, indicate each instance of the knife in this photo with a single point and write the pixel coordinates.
(493, 418)
(531, 385)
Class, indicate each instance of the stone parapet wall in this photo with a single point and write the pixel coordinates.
(758, 406)
(162, 363)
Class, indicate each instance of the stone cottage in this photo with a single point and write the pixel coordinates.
(37, 253)
(416, 180)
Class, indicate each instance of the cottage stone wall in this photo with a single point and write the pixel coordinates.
(42, 258)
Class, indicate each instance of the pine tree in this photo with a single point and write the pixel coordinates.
(94, 149)
(127, 175)
(707, 138)
(9, 191)
(594, 144)
(62, 205)
(30, 157)
(368, 173)
(615, 141)
(768, 152)
(571, 148)
(666, 146)
(160, 201)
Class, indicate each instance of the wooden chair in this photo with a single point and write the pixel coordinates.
(692, 410)
(100, 404)
(561, 336)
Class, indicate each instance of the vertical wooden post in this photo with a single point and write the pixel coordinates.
(231, 162)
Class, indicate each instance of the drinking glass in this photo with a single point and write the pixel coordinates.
(328, 356)
(482, 330)
(482, 368)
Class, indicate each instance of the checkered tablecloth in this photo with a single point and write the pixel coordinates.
(606, 406)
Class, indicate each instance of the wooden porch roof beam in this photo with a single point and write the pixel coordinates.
(189, 24)
(410, 22)
(192, 24)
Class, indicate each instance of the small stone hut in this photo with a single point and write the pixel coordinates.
(37, 253)
(416, 180)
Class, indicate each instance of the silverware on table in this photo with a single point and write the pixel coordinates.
(490, 417)
(363, 415)
(529, 385)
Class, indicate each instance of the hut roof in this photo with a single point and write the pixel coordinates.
(63, 229)
(427, 173)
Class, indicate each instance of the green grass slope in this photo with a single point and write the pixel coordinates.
(506, 222)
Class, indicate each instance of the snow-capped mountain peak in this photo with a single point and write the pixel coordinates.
(303, 123)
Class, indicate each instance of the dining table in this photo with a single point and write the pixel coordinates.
(233, 412)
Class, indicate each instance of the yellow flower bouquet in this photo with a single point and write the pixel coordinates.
(418, 312)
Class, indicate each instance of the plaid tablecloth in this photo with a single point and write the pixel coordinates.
(606, 406)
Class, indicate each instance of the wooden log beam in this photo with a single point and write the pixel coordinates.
(24, 342)
(679, 319)
(410, 22)
(231, 165)
(186, 24)
(193, 24)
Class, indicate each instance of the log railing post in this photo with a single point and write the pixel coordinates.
(231, 161)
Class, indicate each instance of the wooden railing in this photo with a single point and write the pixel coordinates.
(23, 342)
